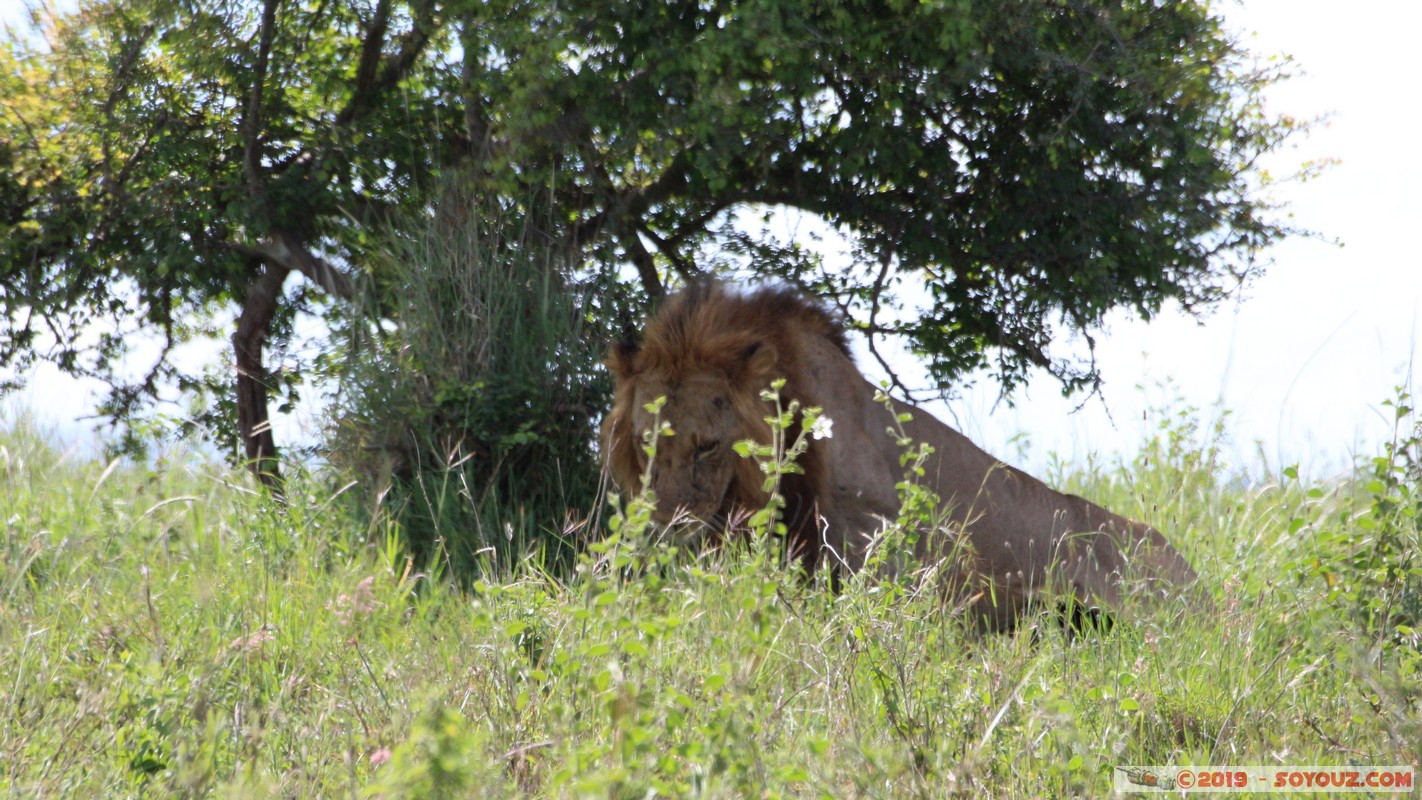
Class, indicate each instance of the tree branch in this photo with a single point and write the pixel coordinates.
(886, 259)
(252, 120)
(646, 267)
(632, 203)
(287, 250)
(368, 65)
(683, 267)
(370, 82)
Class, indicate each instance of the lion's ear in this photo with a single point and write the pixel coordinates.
(622, 359)
(756, 363)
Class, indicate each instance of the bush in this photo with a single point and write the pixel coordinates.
(1378, 579)
(468, 411)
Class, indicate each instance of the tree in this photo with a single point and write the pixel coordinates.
(1031, 164)
(172, 161)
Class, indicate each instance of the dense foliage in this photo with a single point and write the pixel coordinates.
(172, 167)
(474, 416)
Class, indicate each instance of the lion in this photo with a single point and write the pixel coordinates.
(710, 352)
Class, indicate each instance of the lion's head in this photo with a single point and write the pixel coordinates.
(710, 353)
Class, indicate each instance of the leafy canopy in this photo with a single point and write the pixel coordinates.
(194, 168)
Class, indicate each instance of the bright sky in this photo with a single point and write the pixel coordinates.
(1306, 356)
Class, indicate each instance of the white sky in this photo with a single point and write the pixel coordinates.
(1306, 355)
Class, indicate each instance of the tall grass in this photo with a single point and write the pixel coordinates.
(165, 631)
(470, 405)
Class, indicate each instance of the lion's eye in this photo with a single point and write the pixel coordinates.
(707, 448)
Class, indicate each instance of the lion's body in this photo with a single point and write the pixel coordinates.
(710, 352)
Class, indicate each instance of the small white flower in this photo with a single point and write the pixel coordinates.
(822, 428)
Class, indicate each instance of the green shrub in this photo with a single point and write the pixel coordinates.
(469, 408)
(1376, 575)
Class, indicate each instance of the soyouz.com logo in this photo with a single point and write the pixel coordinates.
(1265, 779)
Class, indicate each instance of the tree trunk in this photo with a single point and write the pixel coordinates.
(253, 424)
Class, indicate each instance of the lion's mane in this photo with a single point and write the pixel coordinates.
(711, 328)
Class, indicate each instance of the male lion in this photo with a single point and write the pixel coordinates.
(710, 352)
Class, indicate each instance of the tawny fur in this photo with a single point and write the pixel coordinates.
(711, 351)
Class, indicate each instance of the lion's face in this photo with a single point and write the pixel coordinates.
(696, 468)
(711, 385)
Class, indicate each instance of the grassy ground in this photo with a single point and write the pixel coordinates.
(165, 631)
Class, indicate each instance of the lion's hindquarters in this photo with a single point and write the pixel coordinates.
(1107, 556)
(1031, 539)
